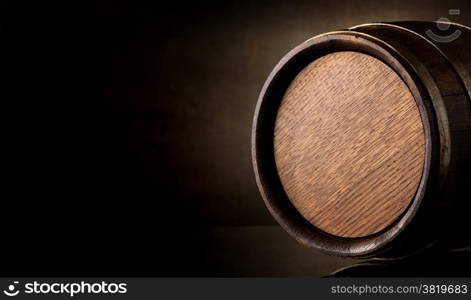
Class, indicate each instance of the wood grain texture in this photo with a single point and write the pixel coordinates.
(349, 144)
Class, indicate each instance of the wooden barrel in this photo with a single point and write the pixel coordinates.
(361, 139)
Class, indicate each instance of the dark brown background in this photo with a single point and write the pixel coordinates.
(138, 160)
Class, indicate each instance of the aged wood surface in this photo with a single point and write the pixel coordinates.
(289, 141)
(349, 144)
(448, 68)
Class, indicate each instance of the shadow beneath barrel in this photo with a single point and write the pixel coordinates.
(434, 263)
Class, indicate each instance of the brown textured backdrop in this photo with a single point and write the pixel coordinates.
(150, 174)
(183, 85)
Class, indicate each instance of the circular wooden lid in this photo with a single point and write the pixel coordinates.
(349, 144)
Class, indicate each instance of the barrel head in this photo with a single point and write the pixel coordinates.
(349, 144)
